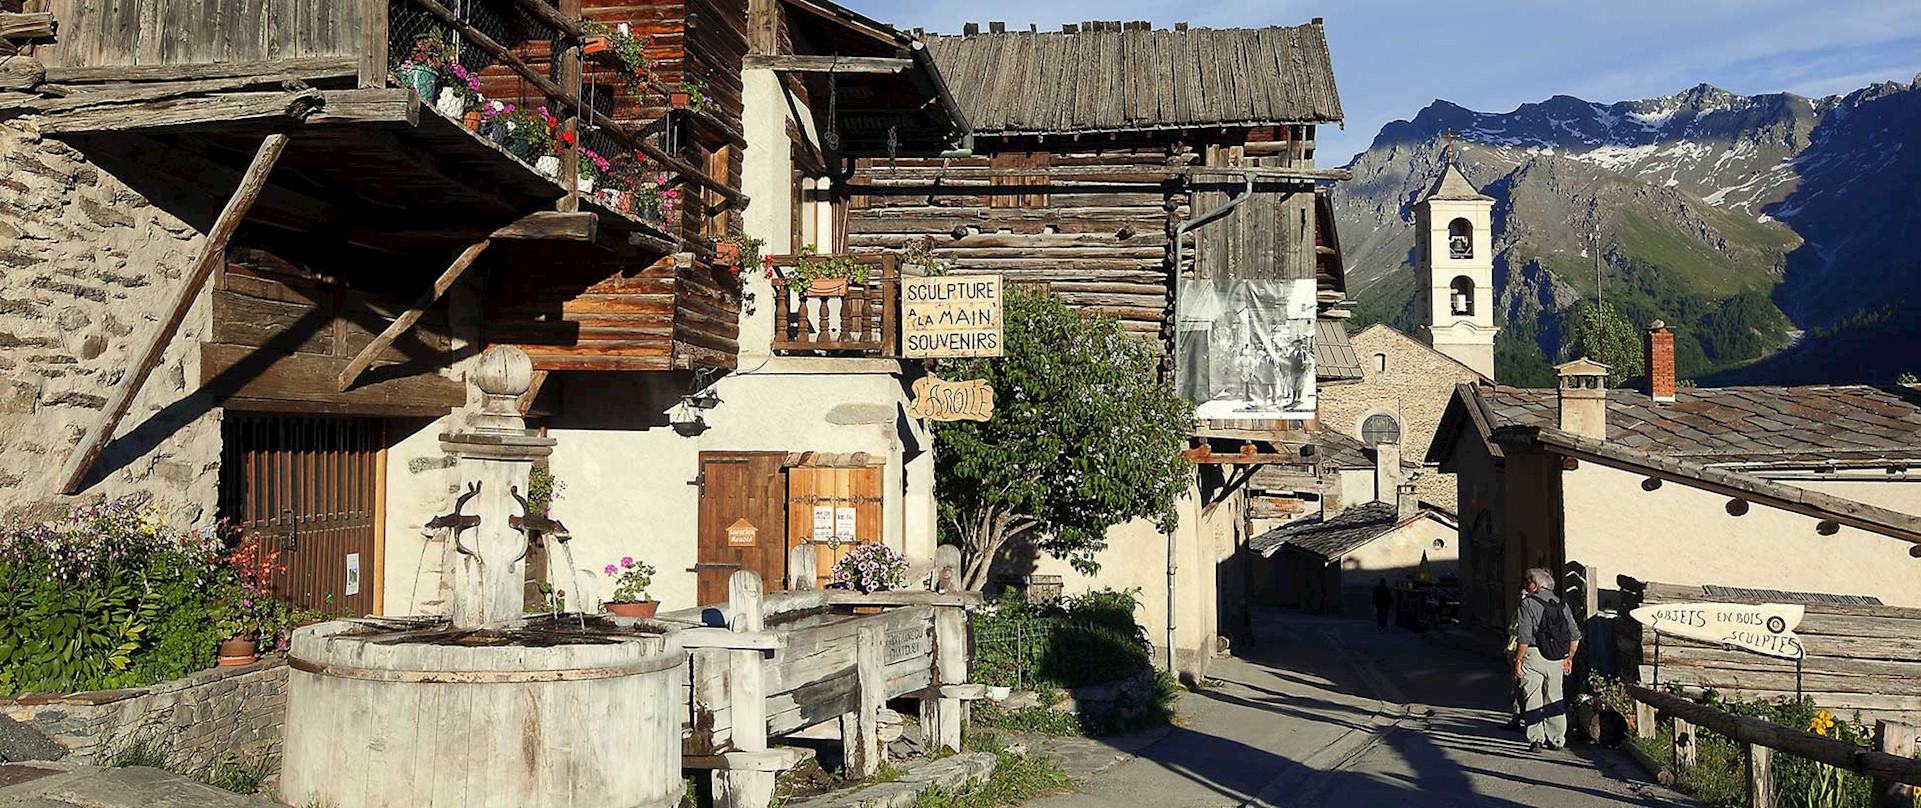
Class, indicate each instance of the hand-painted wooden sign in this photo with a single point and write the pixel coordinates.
(1766, 628)
(742, 533)
(951, 316)
(943, 400)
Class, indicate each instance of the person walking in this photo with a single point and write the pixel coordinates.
(1546, 637)
(1383, 601)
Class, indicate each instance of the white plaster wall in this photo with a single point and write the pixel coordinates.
(1399, 553)
(1683, 535)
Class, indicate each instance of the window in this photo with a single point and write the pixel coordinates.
(1461, 299)
(1380, 363)
(1380, 428)
(1440, 544)
(1460, 239)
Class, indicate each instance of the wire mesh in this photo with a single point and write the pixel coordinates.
(1057, 653)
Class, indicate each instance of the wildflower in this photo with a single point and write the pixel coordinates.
(1822, 724)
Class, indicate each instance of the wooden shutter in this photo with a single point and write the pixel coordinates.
(811, 487)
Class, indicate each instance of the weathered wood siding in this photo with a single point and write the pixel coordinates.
(1100, 243)
(1859, 658)
(180, 32)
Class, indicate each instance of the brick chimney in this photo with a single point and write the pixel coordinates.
(1406, 502)
(1583, 398)
(1660, 362)
(1387, 471)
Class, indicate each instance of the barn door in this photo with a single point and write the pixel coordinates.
(834, 508)
(742, 523)
(308, 486)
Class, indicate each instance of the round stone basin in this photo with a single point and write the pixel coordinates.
(550, 711)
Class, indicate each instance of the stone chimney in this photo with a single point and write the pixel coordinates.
(1387, 471)
(1660, 362)
(1583, 396)
(1406, 503)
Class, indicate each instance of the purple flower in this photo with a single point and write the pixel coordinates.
(610, 569)
(627, 561)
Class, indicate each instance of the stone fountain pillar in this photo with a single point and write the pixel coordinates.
(496, 455)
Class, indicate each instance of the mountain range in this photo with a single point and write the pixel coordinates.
(1779, 235)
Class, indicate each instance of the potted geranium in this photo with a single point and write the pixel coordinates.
(246, 610)
(631, 579)
(870, 568)
(827, 275)
(420, 70)
(738, 251)
(617, 47)
(691, 94)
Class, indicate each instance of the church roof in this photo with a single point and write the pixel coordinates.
(1342, 533)
(1452, 184)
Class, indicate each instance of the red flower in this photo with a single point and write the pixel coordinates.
(567, 138)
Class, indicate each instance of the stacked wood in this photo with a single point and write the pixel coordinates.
(1864, 659)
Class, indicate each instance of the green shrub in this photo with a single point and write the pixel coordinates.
(1079, 641)
(110, 596)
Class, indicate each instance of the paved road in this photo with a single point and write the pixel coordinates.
(1328, 713)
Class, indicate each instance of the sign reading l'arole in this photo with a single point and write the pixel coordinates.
(951, 316)
(1764, 628)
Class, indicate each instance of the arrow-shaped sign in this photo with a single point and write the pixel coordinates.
(1764, 628)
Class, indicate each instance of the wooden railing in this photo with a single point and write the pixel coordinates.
(1893, 768)
(863, 322)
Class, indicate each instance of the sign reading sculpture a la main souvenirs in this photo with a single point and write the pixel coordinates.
(942, 400)
(950, 316)
(1765, 628)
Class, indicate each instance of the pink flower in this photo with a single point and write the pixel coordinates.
(610, 569)
(627, 561)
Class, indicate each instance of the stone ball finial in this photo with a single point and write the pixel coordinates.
(503, 370)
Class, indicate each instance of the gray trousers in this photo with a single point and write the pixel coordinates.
(1543, 709)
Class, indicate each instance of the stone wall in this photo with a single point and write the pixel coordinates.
(87, 267)
(1414, 388)
(203, 718)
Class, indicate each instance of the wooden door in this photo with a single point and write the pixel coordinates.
(742, 496)
(308, 486)
(829, 498)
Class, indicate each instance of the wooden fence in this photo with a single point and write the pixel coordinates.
(1893, 768)
(1860, 659)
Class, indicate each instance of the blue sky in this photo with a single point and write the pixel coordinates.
(1392, 58)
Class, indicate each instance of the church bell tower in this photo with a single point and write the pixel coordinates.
(1454, 269)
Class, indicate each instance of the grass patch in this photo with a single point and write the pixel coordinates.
(1017, 778)
(1038, 720)
(232, 772)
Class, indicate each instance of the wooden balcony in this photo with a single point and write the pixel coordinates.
(865, 321)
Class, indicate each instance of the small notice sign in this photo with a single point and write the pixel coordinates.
(352, 586)
(742, 533)
(951, 316)
(844, 522)
(823, 522)
(1764, 628)
(942, 400)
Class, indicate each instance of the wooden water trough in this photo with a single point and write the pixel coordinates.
(766, 666)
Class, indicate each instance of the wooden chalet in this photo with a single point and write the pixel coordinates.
(358, 243)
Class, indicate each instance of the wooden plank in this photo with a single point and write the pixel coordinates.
(412, 315)
(860, 730)
(552, 226)
(213, 111)
(1760, 776)
(397, 108)
(1897, 739)
(309, 68)
(1685, 747)
(212, 250)
(250, 378)
(34, 25)
(790, 63)
(1758, 733)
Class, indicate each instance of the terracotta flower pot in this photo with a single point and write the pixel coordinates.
(238, 651)
(680, 100)
(827, 287)
(471, 120)
(593, 45)
(643, 609)
(727, 253)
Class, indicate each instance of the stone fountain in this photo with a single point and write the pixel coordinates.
(488, 706)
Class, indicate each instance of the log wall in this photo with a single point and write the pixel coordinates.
(1859, 658)
(185, 32)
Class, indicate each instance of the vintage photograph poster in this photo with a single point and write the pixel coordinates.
(1245, 348)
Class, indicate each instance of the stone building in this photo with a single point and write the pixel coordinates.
(1403, 390)
(1803, 489)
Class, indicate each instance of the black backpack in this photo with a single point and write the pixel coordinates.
(1551, 635)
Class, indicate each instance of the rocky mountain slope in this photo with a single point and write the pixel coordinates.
(1771, 227)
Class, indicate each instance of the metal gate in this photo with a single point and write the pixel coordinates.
(309, 486)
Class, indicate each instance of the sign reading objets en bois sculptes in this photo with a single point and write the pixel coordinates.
(951, 316)
(1764, 628)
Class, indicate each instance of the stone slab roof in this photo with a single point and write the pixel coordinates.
(1334, 357)
(1341, 534)
(1113, 79)
(1734, 425)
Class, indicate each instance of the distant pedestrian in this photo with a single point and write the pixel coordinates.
(1383, 602)
(1546, 637)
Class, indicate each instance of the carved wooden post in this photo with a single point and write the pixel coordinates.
(803, 567)
(860, 730)
(746, 701)
(1644, 724)
(1684, 749)
(947, 568)
(1760, 776)
(950, 668)
(1894, 738)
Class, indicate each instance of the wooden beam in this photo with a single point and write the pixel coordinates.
(187, 113)
(1799, 743)
(763, 27)
(395, 107)
(879, 65)
(552, 225)
(615, 129)
(153, 91)
(213, 251)
(306, 68)
(412, 315)
(36, 25)
(370, 44)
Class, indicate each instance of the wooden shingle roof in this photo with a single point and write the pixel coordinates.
(1025, 82)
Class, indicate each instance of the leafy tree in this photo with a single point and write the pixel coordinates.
(1086, 434)
(1599, 332)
